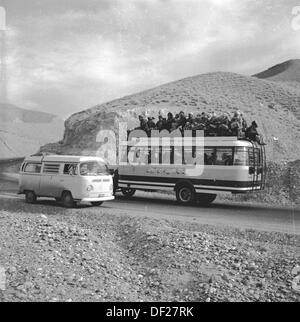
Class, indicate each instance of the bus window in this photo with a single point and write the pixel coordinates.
(240, 156)
(224, 156)
(140, 155)
(209, 156)
(178, 155)
(154, 155)
(166, 155)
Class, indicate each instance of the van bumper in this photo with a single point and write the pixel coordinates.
(97, 199)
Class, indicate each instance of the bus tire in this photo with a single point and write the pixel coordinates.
(205, 199)
(67, 199)
(97, 203)
(30, 196)
(185, 194)
(128, 192)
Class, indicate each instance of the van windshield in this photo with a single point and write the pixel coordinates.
(93, 168)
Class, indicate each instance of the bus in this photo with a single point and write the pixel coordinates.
(230, 165)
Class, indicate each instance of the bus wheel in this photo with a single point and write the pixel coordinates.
(30, 197)
(97, 203)
(127, 192)
(205, 199)
(185, 194)
(67, 200)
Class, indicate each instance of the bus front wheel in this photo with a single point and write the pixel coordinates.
(185, 194)
(205, 199)
(127, 192)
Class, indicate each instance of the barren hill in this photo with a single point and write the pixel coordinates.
(23, 131)
(273, 105)
(288, 71)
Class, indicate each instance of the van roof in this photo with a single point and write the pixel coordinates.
(63, 158)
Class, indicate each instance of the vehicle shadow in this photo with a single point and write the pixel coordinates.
(215, 205)
(42, 206)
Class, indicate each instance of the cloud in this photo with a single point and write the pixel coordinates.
(63, 56)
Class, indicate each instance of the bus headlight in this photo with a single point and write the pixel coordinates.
(90, 188)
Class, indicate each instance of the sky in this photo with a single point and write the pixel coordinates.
(63, 56)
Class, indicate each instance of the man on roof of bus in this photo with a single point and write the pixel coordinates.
(151, 124)
(169, 121)
(251, 132)
(160, 123)
(182, 119)
(143, 123)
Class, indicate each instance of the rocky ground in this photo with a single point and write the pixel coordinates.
(55, 254)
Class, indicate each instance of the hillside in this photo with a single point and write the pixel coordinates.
(22, 131)
(288, 71)
(273, 105)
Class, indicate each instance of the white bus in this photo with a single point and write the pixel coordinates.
(231, 165)
(68, 179)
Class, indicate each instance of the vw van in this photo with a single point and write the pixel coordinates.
(68, 179)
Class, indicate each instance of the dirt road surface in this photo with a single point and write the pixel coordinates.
(236, 215)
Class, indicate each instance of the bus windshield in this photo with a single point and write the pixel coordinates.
(93, 168)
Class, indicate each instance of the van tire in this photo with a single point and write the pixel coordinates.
(128, 192)
(185, 194)
(205, 199)
(67, 199)
(30, 196)
(97, 203)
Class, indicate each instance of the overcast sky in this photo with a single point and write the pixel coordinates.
(67, 55)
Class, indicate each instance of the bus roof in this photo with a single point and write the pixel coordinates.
(208, 141)
(63, 158)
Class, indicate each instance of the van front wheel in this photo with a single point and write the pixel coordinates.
(30, 197)
(68, 200)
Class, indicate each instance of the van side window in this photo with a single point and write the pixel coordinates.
(51, 168)
(70, 169)
(33, 168)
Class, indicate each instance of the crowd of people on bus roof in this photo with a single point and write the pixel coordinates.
(211, 124)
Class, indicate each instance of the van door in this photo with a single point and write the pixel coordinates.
(30, 177)
(50, 181)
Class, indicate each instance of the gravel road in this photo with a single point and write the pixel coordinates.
(112, 253)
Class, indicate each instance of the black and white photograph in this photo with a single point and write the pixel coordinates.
(150, 153)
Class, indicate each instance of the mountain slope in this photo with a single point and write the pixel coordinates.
(274, 106)
(22, 131)
(288, 71)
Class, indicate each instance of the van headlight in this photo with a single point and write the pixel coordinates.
(90, 188)
(111, 187)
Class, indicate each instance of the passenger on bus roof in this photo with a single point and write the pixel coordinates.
(251, 132)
